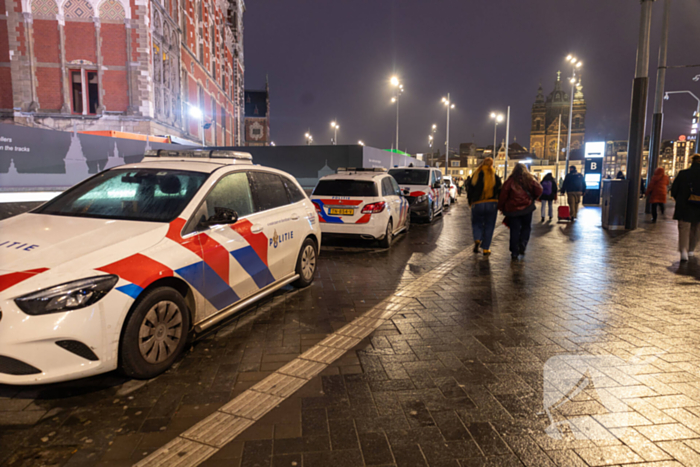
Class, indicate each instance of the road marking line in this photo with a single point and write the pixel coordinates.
(200, 442)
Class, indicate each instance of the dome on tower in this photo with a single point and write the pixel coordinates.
(558, 96)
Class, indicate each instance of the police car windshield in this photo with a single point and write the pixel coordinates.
(410, 176)
(153, 195)
(345, 188)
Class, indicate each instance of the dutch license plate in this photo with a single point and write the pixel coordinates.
(342, 212)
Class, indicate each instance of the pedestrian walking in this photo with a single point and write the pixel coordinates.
(483, 189)
(517, 202)
(574, 186)
(642, 188)
(549, 194)
(657, 191)
(686, 191)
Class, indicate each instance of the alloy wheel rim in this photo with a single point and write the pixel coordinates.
(160, 332)
(308, 262)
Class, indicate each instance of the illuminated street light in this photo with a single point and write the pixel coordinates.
(395, 100)
(394, 81)
(309, 138)
(361, 143)
(335, 127)
(575, 63)
(497, 118)
(449, 105)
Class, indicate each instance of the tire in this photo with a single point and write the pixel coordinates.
(388, 235)
(155, 333)
(431, 214)
(306, 264)
(407, 227)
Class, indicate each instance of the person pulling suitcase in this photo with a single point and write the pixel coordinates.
(574, 186)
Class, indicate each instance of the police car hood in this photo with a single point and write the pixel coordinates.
(71, 244)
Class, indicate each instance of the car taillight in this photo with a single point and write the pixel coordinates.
(374, 208)
(318, 208)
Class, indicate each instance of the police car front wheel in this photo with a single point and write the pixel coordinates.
(306, 264)
(155, 333)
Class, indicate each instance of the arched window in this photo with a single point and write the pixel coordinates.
(537, 125)
(111, 10)
(44, 9)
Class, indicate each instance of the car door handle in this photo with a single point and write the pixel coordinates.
(256, 228)
(295, 217)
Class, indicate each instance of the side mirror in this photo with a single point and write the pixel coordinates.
(221, 216)
(406, 191)
(437, 185)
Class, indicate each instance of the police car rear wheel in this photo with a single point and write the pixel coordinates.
(431, 213)
(386, 241)
(155, 333)
(306, 264)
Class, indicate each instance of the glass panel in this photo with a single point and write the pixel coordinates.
(77, 91)
(154, 195)
(93, 92)
(270, 192)
(411, 176)
(232, 192)
(295, 194)
(345, 188)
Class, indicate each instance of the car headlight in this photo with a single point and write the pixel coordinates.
(421, 198)
(69, 296)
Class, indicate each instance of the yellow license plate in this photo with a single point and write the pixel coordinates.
(342, 212)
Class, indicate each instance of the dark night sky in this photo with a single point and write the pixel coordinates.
(332, 59)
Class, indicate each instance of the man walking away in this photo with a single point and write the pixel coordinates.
(517, 202)
(657, 191)
(549, 194)
(483, 189)
(686, 191)
(574, 187)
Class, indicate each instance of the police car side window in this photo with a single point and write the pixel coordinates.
(268, 190)
(232, 192)
(295, 194)
(387, 189)
(395, 186)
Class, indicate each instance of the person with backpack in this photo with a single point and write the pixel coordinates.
(686, 191)
(517, 202)
(549, 194)
(483, 189)
(574, 186)
(657, 191)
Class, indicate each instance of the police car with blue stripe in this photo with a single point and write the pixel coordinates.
(123, 268)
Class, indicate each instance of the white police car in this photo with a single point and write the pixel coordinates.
(426, 192)
(361, 203)
(119, 270)
(450, 187)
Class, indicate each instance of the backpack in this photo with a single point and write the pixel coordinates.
(547, 188)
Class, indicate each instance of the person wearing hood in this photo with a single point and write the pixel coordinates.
(574, 186)
(517, 202)
(686, 191)
(656, 192)
(549, 194)
(483, 189)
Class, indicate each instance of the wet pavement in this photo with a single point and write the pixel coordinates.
(585, 352)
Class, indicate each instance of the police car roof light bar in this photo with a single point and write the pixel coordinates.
(200, 154)
(361, 169)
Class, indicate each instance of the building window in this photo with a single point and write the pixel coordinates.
(455, 163)
(84, 91)
(537, 125)
(577, 122)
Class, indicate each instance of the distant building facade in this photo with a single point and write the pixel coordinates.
(545, 132)
(257, 117)
(139, 66)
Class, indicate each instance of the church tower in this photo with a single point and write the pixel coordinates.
(547, 117)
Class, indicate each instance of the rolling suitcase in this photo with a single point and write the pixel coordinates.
(563, 212)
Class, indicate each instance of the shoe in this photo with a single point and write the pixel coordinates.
(653, 220)
(514, 257)
(522, 251)
(476, 246)
(684, 255)
(487, 252)
(550, 218)
(543, 219)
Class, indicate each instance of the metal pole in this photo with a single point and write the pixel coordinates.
(495, 129)
(697, 132)
(505, 165)
(638, 113)
(558, 150)
(571, 117)
(657, 120)
(447, 143)
(397, 118)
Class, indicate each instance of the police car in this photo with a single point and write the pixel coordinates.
(426, 192)
(121, 269)
(364, 203)
(450, 187)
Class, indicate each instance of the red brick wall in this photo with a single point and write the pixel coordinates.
(113, 44)
(80, 41)
(4, 44)
(46, 41)
(114, 84)
(5, 88)
(48, 88)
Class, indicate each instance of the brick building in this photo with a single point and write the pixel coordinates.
(128, 65)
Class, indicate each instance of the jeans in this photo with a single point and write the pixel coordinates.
(549, 202)
(520, 227)
(484, 222)
(574, 198)
(688, 235)
(654, 207)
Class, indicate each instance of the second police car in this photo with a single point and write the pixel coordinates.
(426, 191)
(121, 269)
(362, 203)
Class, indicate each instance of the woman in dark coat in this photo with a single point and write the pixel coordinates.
(549, 194)
(657, 191)
(517, 203)
(686, 191)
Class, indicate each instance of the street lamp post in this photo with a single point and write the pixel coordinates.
(497, 118)
(696, 116)
(309, 138)
(335, 127)
(505, 165)
(575, 63)
(449, 105)
(397, 94)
